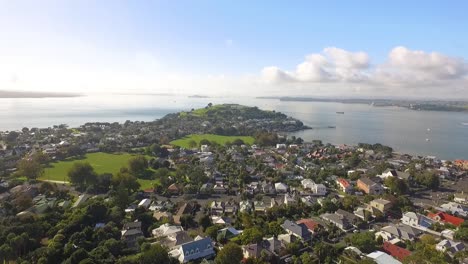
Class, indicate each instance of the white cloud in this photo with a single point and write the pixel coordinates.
(333, 64)
(404, 68)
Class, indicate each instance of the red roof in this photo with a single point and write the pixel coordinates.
(396, 251)
(343, 182)
(311, 225)
(446, 218)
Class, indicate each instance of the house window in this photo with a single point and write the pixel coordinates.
(197, 250)
(191, 252)
(187, 253)
(208, 246)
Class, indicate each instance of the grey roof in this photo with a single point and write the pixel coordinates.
(350, 217)
(132, 225)
(367, 181)
(202, 245)
(297, 229)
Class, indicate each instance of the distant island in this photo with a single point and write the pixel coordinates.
(26, 94)
(421, 105)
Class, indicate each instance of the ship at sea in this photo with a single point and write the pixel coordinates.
(341, 113)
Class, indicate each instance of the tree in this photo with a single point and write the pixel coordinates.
(396, 185)
(364, 241)
(230, 254)
(154, 254)
(192, 144)
(82, 174)
(30, 168)
(125, 179)
(212, 231)
(137, 165)
(204, 222)
(251, 235)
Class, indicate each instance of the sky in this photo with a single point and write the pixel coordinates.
(236, 48)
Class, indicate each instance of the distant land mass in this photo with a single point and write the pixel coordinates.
(198, 96)
(26, 94)
(421, 105)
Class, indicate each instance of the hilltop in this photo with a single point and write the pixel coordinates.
(230, 120)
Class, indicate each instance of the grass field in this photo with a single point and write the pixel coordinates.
(184, 142)
(101, 162)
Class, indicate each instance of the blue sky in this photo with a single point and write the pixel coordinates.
(210, 47)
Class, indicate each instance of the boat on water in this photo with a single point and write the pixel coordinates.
(341, 113)
(465, 123)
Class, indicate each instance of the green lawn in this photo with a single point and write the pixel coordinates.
(184, 142)
(101, 162)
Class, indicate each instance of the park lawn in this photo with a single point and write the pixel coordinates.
(101, 162)
(222, 140)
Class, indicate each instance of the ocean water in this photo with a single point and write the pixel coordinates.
(440, 134)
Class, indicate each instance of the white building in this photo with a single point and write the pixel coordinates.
(382, 258)
(450, 246)
(145, 203)
(281, 187)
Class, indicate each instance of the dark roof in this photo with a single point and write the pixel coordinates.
(132, 225)
(297, 229)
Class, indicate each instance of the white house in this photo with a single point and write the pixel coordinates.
(450, 246)
(461, 198)
(281, 187)
(145, 203)
(197, 249)
(319, 189)
(382, 258)
(307, 184)
(455, 209)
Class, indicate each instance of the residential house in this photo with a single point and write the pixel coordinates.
(145, 203)
(216, 208)
(319, 189)
(338, 220)
(230, 207)
(382, 258)
(461, 198)
(290, 199)
(307, 184)
(81, 200)
(260, 207)
(416, 220)
(221, 220)
(454, 208)
(396, 251)
(245, 206)
(227, 233)
(310, 224)
(398, 232)
(270, 246)
(165, 230)
(130, 233)
(446, 218)
(344, 185)
(368, 186)
(450, 246)
(197, 249)
(382, 205)
(174, 189)
(159, 215)
(281, 187)
(299, 230)
(268, 188)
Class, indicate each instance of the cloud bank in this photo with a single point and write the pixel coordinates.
(403, 68)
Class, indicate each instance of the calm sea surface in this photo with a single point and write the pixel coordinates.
(441, 134)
